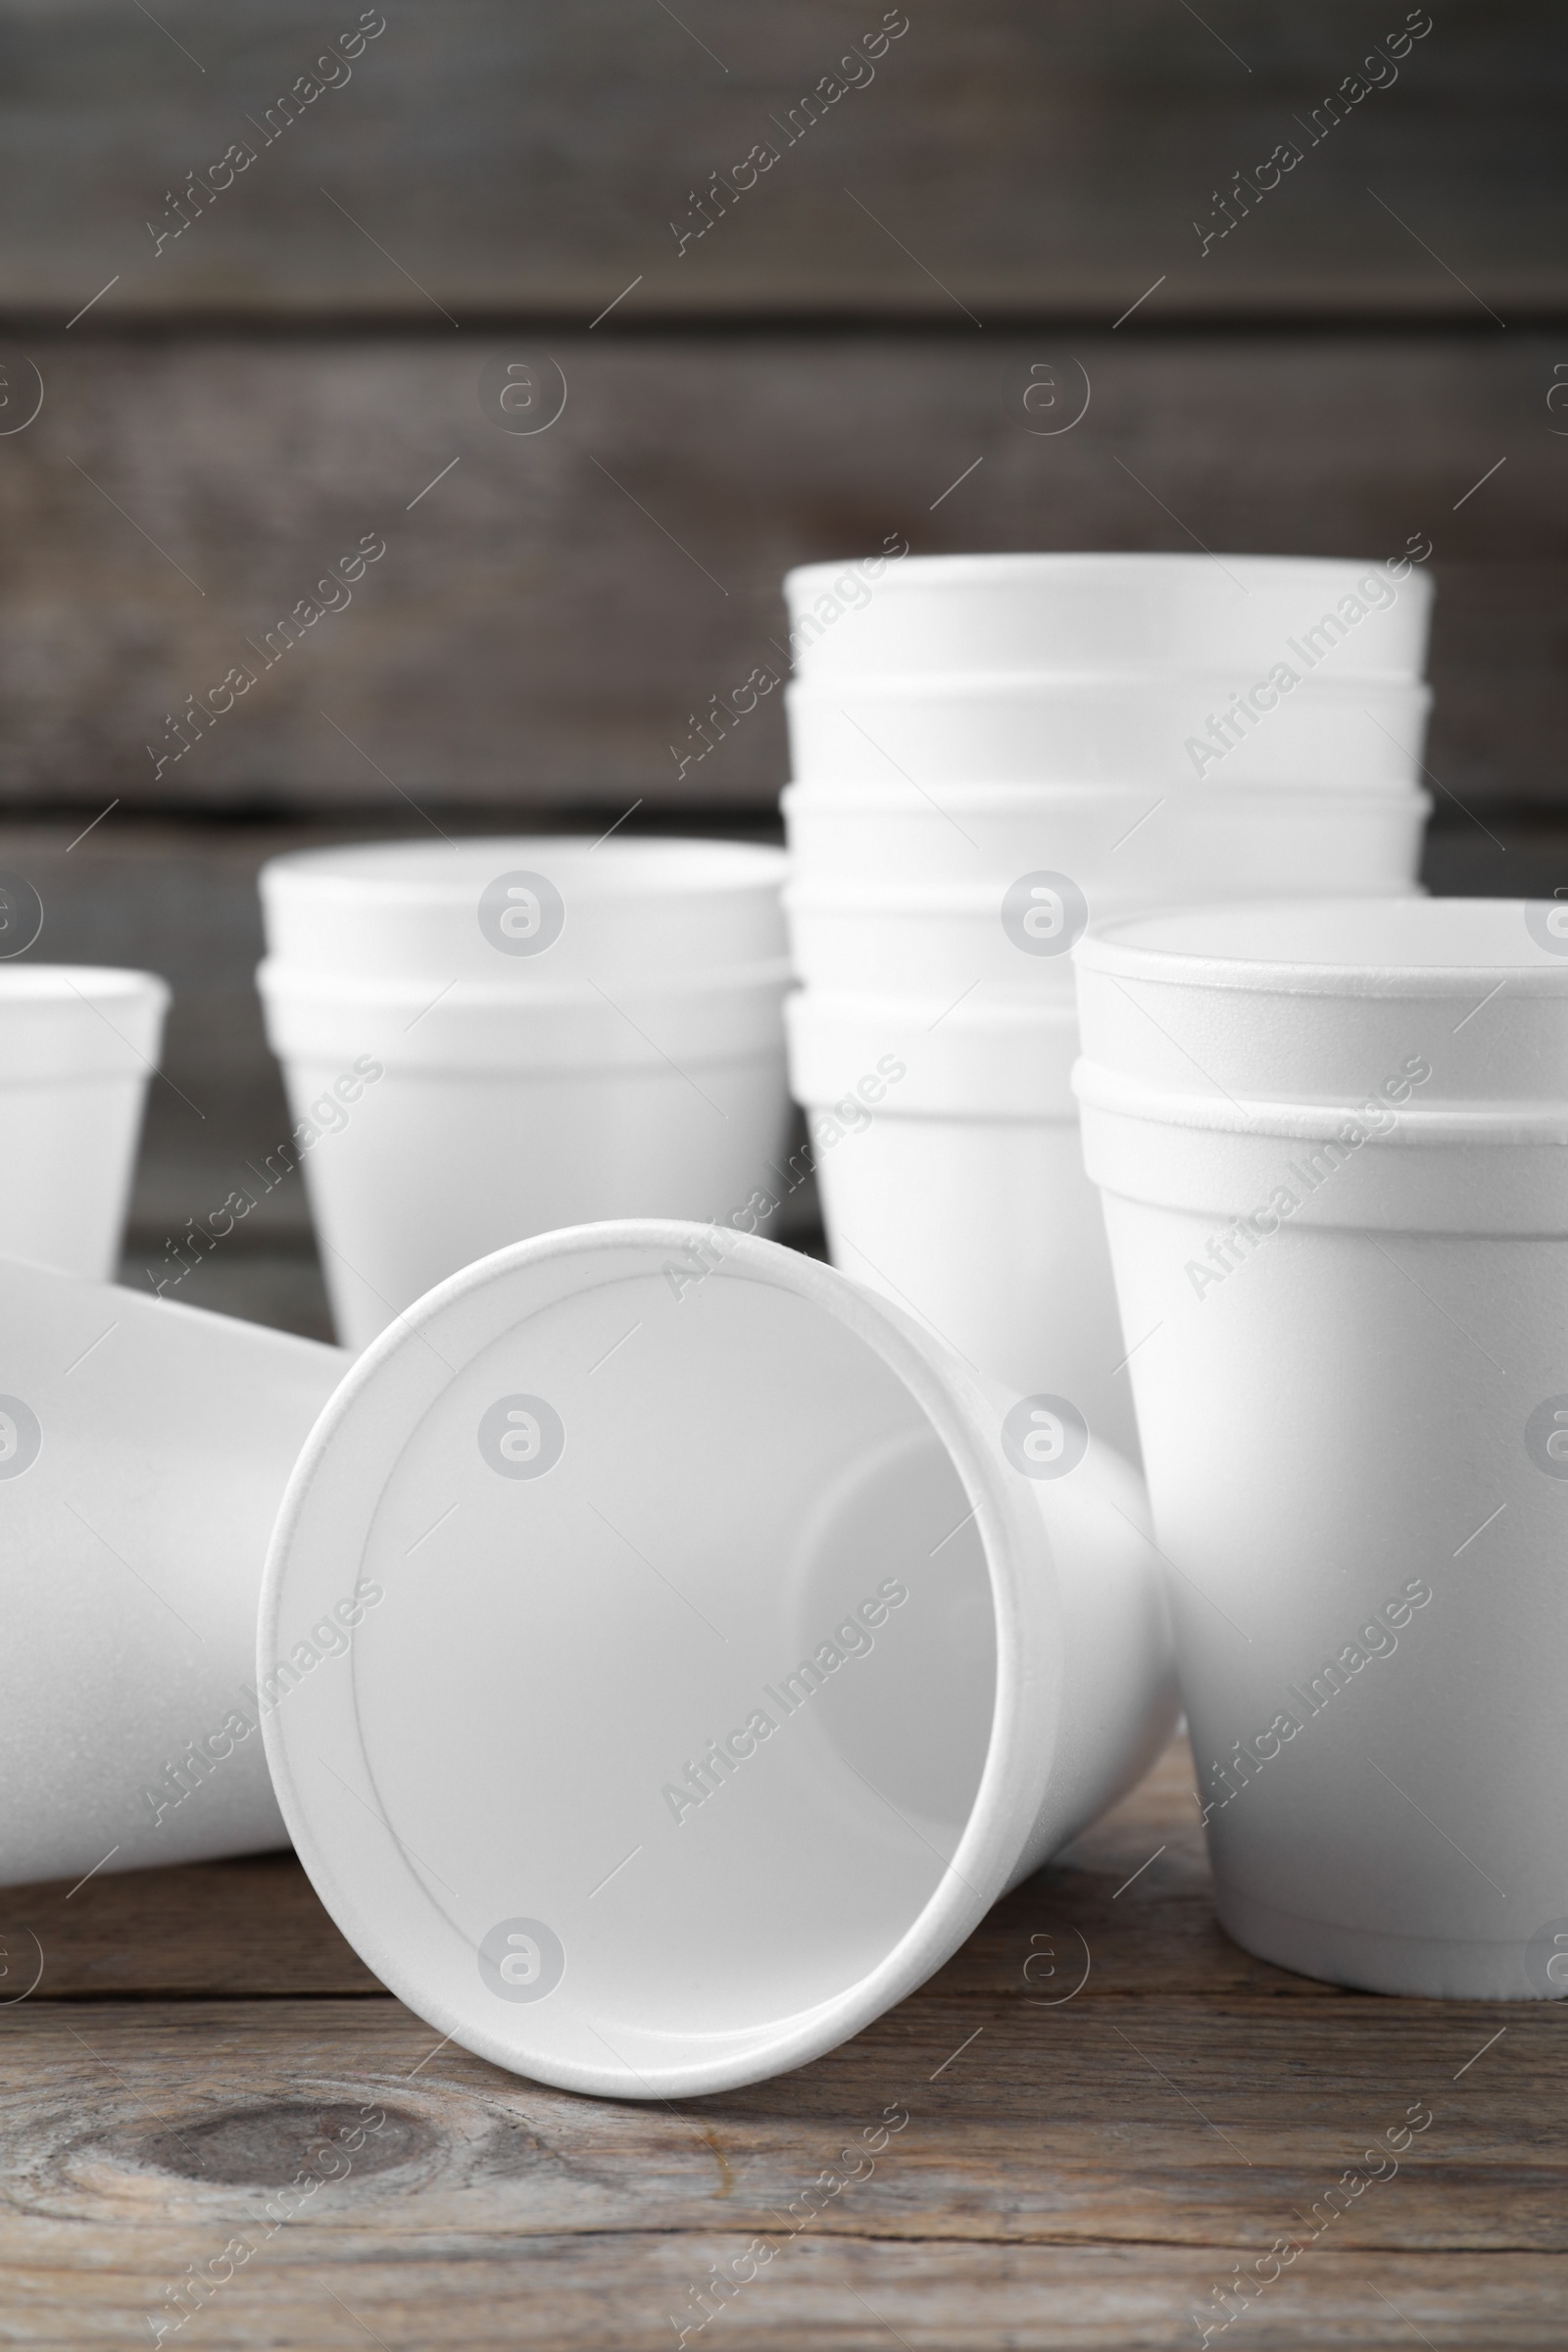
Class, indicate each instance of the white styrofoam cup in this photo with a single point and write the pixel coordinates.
(533, 911)
(435, 1132)
(559, 1030)
(77, 1045)
(738, 1649)
(144, 1449)
(1333, 1142)
(1078, 612)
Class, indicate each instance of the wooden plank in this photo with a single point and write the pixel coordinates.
(1012, 157)
(1200, 2132)
(1189, 2119)
(1194, 2120)
(251, 1927)
(552, 613)
(1084, 2171)
(307, 2290)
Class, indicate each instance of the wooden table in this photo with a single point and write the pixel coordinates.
(1109, 2107)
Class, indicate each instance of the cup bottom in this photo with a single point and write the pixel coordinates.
(1437, 1968)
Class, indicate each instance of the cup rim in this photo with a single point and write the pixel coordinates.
(1070, 569)
(390, 873)
(1019, 1563)
(84, 984)
(1128, 948)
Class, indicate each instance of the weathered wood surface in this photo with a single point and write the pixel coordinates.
(1138, 2119)
(1075, 2171)
(1019, 157)
(554, 610)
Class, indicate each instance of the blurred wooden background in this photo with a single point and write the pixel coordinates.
(979, 197)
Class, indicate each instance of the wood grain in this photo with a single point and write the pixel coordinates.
(552, 610)
(1196, 2124)
(1012, 157)
(313, 2287)
(1079, 2172)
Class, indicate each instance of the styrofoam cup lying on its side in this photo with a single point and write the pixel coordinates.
(144, 1450)
(1141, 729)
(434, 1133)
(737, 1652)
(1332, 1140)
(532, 911)
(951, 1172)
(1144, 841)
(77, 1045)
(1002, 939)
(1076, 612)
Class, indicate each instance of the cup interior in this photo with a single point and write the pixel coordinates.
(684, 1676)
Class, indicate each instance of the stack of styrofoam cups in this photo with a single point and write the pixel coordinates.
(1333, 1142)
(993, 754)
(78, 1045)
(490, 1039)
